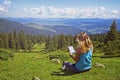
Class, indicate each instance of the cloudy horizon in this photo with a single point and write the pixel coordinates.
(60, 8)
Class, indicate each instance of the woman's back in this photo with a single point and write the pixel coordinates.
(85, 61)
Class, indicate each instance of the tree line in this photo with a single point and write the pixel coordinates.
(60, 41)
(18, 41)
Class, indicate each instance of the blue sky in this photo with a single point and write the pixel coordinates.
(60, 8)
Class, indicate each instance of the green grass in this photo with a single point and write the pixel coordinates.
(24, 66)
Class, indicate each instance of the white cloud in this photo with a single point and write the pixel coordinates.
(62, 11)
(86, 13)
(93, 12)
(53, 11)
(3, 9)
(115, 12)
(69, 11)
(102, 8)
(97, 12)
(6, 3)
(37, 11)
(4, 6)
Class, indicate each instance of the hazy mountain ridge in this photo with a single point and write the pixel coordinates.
(63, 25)
(37, 26)
(93, 25)
(58, 29)
(80, 23)
(9, 26)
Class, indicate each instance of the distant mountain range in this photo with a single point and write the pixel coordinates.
(56, 25)
(10, 26)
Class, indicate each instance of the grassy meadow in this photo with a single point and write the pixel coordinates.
(26, 65)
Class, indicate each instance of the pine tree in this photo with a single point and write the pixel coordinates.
(62, 42)
(47, 41)
(42, 38)
(11, 41)
(34, 39)
(112, 33)
(51, 45)
(111, 41)
(5, 40)
(55, 42)
(1, 43)
(29, 42)
(22, 40)
(17, 44)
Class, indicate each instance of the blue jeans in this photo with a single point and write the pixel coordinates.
(71, 67)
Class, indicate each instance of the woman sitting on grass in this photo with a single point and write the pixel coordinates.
(83, 55)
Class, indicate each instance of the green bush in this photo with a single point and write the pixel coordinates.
(5, 54)
(112, 47)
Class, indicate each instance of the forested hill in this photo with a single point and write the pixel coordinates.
(10, 26)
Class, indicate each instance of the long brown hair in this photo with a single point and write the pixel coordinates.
(84, 42)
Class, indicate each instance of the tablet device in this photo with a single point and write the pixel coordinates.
(71, 50)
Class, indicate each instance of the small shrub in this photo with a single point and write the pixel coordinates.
(5, 54)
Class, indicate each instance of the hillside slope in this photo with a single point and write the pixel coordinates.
(9, 26)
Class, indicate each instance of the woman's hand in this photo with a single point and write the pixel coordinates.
(76, 56)
(70, 55)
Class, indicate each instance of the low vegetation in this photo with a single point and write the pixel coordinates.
(5, 54)
(26, 66)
